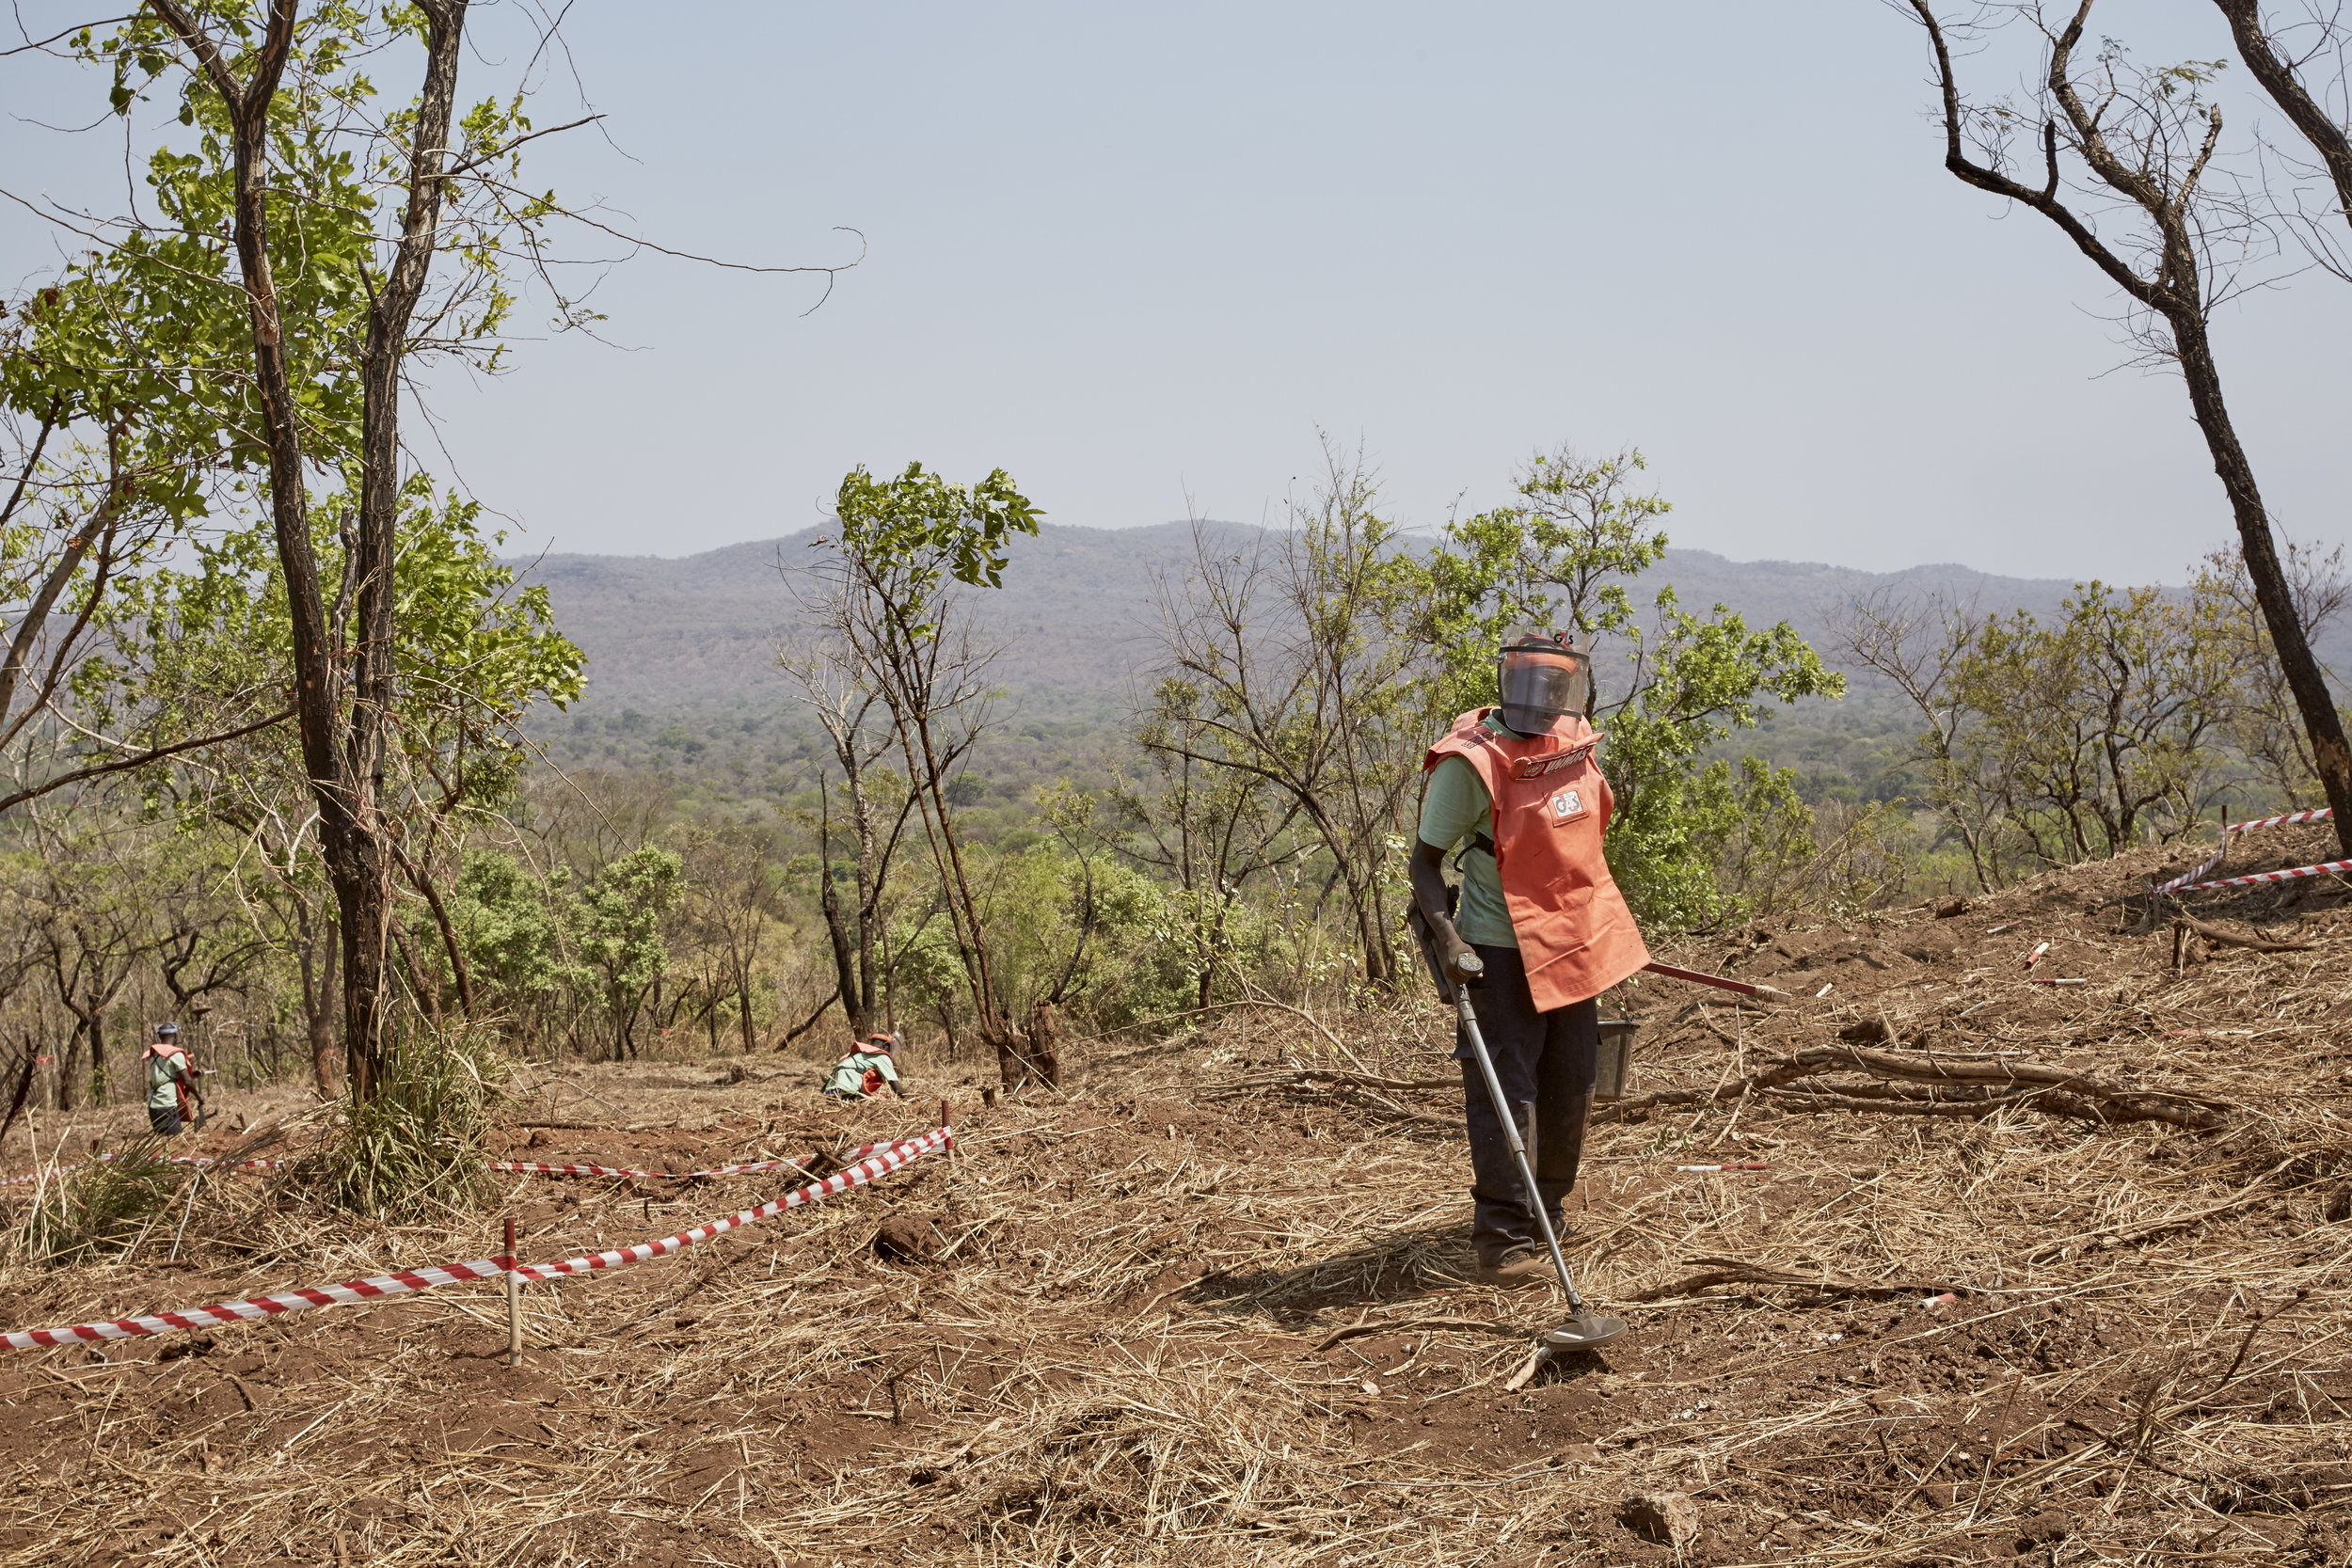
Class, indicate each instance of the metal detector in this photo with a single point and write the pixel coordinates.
(1585, 1329)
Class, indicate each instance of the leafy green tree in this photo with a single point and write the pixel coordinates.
(473, 652)
(1559, 557)
(2105, 726)
(2264, 725)
(108, 446)
(333, 213)
(1208, 831)
(1664, 691)
(904, 550)
(511, 926)
(616, 932)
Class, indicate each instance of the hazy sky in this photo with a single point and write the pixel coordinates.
(1134, 252)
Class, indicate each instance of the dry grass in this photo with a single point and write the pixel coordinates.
(1158, 1322)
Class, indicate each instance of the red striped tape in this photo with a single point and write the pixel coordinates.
(2187, 877)
(524, 1166)
(882, 1164)
(2325, 868)
(257, 1306)
(2322, 815)
(2188, 882)
(895, 1157)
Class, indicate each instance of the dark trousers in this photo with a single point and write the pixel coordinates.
(164, 1120)
(1544, 1061)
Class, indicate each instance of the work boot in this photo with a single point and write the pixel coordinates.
(1517, 1269)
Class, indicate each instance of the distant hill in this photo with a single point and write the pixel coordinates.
(682, 676)
(1076, 610)
(1076, 605)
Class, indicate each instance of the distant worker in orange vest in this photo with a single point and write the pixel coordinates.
(172, 1096)
(1518, 784)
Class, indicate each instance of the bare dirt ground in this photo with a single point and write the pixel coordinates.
(1154, 1319)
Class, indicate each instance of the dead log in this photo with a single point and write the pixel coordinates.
(2187, 926)
(1739, 1271)
(1327, 1075)
(2064, 1091)
(1945, 1087)
(1629, 1110)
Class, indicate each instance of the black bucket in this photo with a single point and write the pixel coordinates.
(1612, 1064)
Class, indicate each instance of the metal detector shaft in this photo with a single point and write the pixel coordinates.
(1519, 1149)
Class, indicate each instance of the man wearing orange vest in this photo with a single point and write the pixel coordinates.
(1518, 782)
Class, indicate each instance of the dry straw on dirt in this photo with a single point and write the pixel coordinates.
(1208, 1305)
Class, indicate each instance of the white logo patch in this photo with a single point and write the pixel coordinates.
(1568, 804)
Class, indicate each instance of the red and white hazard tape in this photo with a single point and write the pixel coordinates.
(889, 1159)
(2256, 879)
(2187, 877)
(2190, 882)
(523, 1166)
(881, 1164)
(2322, 815)
(259, 1306)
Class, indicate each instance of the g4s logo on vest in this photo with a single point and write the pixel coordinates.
(1567, 805)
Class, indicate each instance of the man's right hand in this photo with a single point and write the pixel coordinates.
(1461, 960)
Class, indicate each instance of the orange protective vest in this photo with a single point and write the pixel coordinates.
(1551, 805)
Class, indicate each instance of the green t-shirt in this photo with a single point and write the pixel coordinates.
(1455, 807)
(163, 1074)
(849, 1074)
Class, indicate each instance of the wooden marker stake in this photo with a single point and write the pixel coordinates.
(514, 1301)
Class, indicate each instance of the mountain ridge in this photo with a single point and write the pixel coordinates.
(690, 630)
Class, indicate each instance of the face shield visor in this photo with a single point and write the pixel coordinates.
(1541, 681)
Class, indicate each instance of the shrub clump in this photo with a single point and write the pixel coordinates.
(101, 1207)
(416, 1148)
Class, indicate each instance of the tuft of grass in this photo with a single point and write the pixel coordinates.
(103, 1207)
(415, 1150)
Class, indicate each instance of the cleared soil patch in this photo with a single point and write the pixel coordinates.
(1150, 1319)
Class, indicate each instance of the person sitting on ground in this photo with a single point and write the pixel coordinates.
(865, 1070)
(171, 1083)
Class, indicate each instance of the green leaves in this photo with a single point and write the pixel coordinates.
(926, 530)
(617, 923)
(1665, 692)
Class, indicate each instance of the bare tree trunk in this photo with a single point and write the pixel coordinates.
(2267, 62)
(2174, 288)
(318, 996)
(98, 1084)
(2332, 756)
(363, 877)
(852, 961)
(68, 1060)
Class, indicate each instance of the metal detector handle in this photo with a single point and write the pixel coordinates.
(1426, 935)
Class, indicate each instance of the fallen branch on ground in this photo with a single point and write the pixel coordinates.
(1327, 1075)
(1739, 1271)
(2185, 927)
(1954, 1086)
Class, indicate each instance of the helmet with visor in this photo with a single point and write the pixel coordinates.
(1541, 680)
